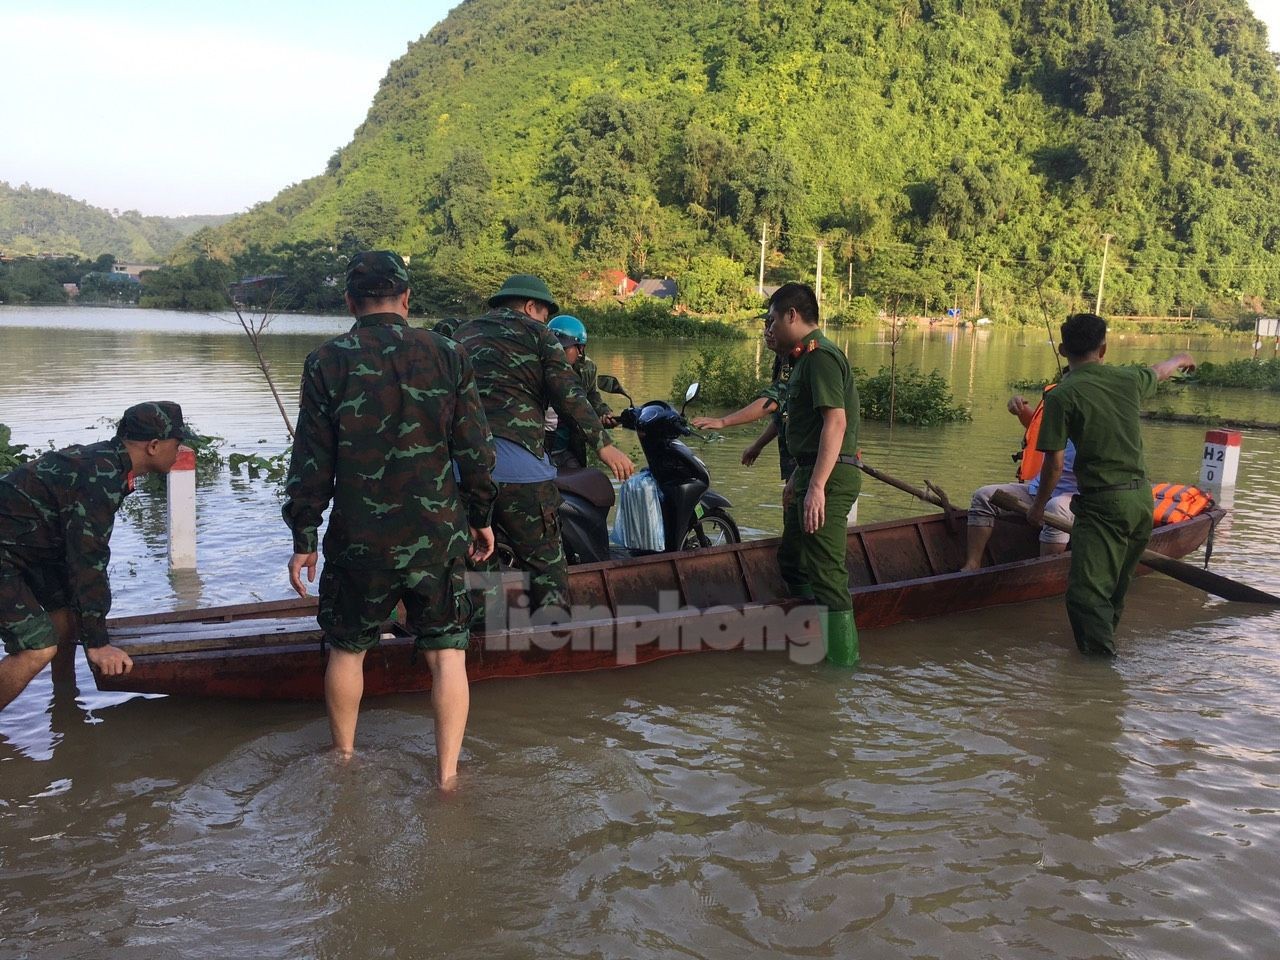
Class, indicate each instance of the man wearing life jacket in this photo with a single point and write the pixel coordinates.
(1097, 409)
(983, 513)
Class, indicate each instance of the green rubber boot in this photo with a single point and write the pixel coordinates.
(841, 636)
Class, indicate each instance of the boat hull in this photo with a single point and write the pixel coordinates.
(625, 613)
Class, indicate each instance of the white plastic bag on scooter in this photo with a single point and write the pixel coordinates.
(638, 525)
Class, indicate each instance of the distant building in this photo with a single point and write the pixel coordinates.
(134, 270)
(664, 289)
(621, 285)
(257, 290)
(72, 290)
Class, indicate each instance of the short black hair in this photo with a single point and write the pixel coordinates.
(798, 297)
(516, 303)
(363, 301)
(1083, 333)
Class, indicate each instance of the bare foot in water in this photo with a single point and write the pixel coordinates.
(342, 757)
(449, 784)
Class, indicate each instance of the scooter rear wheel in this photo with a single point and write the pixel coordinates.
(715, 528)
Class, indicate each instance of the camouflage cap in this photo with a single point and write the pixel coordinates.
(376, 273)
(154, 420)
(528, 287)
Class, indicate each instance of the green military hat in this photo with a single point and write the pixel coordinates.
(377, 273)
(528, 287)
(154, 420)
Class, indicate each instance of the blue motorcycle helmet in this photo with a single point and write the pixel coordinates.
(569, 329)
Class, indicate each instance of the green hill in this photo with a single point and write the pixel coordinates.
(36, 221)
(917, 140)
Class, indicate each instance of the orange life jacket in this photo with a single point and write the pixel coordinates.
(1175, 502)
(1031, 460)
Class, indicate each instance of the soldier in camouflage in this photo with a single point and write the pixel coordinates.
(392, 431)
(56, 517)
(566, 444)
(521, 370)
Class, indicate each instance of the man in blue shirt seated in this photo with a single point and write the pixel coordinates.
(983, 513)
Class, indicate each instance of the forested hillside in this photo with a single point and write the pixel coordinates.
(919, 141)
(36, 221)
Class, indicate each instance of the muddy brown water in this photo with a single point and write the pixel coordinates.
(976, 789)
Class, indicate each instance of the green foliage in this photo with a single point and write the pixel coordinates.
(917, 141)
(41, 221)
(653, 319)
(274, 467)
(728, 378)
(199, 285)
(1247, 373)
(919, 399)
(11, 454)
(858, 312)
(99, 287)
(28, 280)
(715, 284)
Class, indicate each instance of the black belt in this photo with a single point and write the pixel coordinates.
(809, 459)
(1127, 485)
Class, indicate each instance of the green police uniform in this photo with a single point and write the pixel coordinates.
(521, 370)
(1097, 408)
(814, 565)
(387, 411)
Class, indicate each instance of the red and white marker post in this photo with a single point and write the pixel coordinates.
(1221, 462)
(182, 511)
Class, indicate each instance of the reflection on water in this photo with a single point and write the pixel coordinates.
(976, 790)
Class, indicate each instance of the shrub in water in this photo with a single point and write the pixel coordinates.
(920, 399)
(728, 378)
(649, 317)
(11, 454)
(1248, 373)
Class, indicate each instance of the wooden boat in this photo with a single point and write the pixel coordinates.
(631, 611)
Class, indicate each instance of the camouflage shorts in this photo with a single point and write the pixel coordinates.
(355, 604)
(28, 592)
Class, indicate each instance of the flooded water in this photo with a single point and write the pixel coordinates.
(975, 789)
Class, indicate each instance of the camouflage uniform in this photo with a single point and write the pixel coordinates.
(521, 370)
(566, 445)
(387, 410)
(56, 518)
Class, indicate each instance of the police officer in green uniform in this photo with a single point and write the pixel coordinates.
(821, 431)
(1097, 409)
(56, 517)
(390, 429)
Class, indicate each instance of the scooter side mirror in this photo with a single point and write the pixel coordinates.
(609, 384)
(689, 395)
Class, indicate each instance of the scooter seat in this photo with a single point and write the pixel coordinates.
(589, 484)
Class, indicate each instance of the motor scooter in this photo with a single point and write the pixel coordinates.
(693, 515)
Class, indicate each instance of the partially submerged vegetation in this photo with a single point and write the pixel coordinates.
(1245, 373)
(731, 379)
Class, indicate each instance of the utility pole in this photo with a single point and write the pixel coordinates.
(764, 233)
(818, 277)
(1106, 243)
(977, 293)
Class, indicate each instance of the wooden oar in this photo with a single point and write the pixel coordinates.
(928, 496)
(1188, 573)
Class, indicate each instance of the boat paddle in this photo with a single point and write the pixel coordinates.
(1188, 573)
(933, 494)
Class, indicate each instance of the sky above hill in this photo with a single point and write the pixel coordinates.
(174, 107)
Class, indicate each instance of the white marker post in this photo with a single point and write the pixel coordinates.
(182, 511)
(1221, 462)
